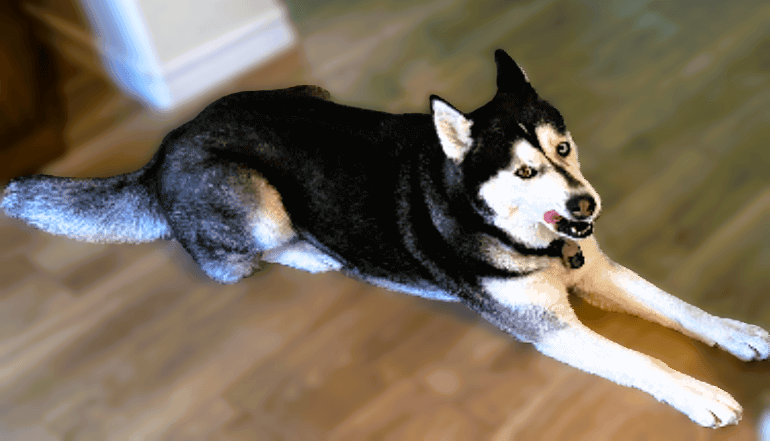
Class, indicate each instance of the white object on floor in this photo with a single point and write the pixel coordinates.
(763, 428)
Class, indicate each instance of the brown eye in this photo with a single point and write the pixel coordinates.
(563, 149)
(525, 172)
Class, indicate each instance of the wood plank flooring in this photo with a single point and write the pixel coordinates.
(668, 102)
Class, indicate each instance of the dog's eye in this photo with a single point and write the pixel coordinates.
(563, 149)
(525, 172)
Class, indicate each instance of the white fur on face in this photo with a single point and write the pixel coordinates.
(519, 204)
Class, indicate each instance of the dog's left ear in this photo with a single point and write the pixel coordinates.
(453, 129)
(510, 76)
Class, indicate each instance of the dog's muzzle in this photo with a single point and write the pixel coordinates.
(581, 207)
(576, 229)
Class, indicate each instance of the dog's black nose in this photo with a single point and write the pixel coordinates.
(581, 206)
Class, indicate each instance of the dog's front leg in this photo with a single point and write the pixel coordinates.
(607, 284)
(535, 309)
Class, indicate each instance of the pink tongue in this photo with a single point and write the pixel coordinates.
(551, 217)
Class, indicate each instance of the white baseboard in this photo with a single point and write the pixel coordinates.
(130, 57)
(220, 60)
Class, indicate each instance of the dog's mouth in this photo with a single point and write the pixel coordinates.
(575, 229)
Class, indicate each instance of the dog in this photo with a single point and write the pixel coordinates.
(488, 208)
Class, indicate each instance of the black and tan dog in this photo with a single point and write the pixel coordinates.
(489, 209)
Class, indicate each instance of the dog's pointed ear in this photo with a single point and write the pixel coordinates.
(453, 129)
(511, 78)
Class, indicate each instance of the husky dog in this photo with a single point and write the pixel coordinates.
(488, 208)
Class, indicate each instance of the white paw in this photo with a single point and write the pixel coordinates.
(705, 404)
(747, 342)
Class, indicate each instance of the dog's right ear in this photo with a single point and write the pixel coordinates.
(453, 129)
(511, 78)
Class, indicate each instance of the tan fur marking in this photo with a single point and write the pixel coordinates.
(271, 205)
(549, 138)
(268, 220)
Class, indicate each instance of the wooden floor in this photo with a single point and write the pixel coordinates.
(669, 104)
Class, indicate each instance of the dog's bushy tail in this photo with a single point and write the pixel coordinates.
(117, 209)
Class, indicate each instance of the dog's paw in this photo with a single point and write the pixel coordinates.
(747, 342)
(703, 403)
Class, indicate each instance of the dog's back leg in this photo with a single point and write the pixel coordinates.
(226, 216)
(536, 310)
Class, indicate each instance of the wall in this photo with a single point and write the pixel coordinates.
(178, 26)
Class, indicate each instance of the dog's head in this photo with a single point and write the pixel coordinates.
(518, 161)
